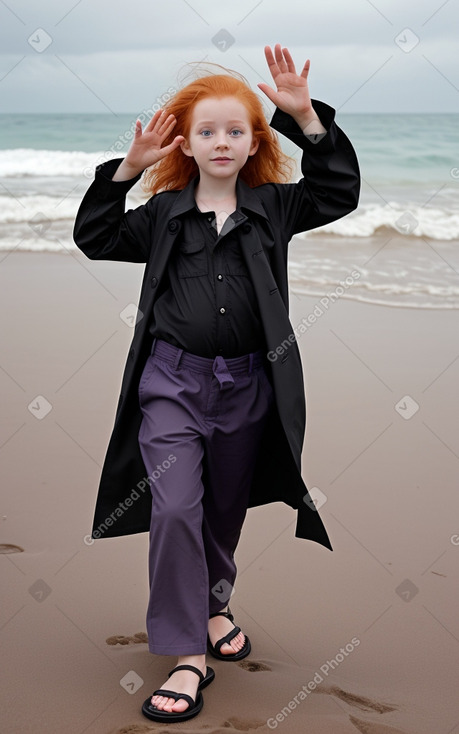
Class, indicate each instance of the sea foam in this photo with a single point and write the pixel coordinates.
(25, 162)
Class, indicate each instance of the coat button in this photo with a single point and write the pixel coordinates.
(222, 310)
(246, 228)
(173, 225)
(219, 276)
(154, 282)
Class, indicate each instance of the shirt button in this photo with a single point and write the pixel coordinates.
(173, 226)
(219, 277)
(222, 310)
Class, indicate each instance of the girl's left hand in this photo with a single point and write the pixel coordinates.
(292, 94)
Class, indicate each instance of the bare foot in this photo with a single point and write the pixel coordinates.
(218, 628)
(184, 681)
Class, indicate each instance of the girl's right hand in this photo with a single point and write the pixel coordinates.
(145, 149)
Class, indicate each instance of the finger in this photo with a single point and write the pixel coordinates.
(178, 139)
(280, 58)
(270, 93)
(163, 152)
(153, 120)
(269, 55)
(165, 130)
(305, 70)
(289, 60)
(138, 129)
(272, 64)
(162, 121)
(175, 143)
(165, 125)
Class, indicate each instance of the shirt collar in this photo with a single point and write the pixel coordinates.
(246, 199)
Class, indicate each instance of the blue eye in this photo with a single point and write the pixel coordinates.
(204, 133)
(236, 132)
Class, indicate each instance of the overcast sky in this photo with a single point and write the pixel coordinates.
(105, 56)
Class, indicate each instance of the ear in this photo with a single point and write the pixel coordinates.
(186, 148)
(254, 146)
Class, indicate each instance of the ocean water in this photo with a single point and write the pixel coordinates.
(400, 247)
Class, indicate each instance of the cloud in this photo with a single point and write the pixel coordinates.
(102, 57)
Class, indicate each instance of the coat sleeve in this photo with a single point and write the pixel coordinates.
(103, 230)
(330, 186)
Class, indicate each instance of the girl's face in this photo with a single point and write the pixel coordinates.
(221, 137)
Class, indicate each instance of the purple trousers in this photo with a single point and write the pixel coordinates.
(202, 423)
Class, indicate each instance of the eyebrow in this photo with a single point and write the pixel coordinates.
(229, 122)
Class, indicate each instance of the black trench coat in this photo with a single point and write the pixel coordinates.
(328, 190)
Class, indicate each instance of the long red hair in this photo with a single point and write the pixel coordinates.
(176, 170)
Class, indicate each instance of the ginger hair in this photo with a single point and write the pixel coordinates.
(176, 170)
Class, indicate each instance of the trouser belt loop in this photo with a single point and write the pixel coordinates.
(177, 358)
(250, 362)
(153, 345)
(220, 370)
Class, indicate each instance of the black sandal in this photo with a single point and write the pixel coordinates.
(215, 649)
(194, 706)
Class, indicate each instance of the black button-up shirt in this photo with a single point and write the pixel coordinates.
(207, 305)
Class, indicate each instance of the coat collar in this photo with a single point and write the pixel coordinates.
(246, 197)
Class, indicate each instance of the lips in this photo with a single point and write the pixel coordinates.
(222, 158)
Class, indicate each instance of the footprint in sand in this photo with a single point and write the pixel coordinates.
(253, 666)
(139, 637)
(360, 702)
(10, 548)
(136, 729)
(231, 724)
(367, 727)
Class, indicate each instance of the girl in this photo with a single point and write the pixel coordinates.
(211, 415)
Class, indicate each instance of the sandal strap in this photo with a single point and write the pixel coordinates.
(227, 638)
(188, 667)
(173, 694)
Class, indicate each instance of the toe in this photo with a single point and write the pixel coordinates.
(162, 703)
(168, 704)
(238, 642)
(180, 705)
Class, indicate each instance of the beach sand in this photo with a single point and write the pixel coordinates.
(369, 633)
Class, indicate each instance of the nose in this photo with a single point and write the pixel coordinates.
(220, 140)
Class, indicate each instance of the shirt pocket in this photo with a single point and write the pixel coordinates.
(192, 259)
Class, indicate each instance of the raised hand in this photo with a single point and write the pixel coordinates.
(292, 95)
(145, 149)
